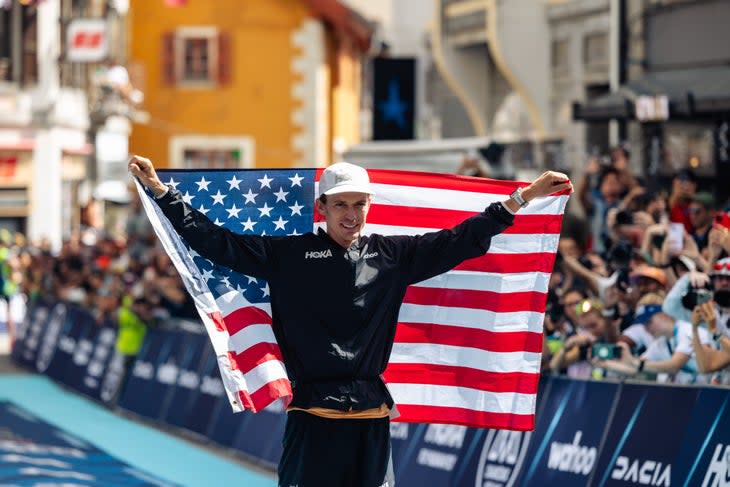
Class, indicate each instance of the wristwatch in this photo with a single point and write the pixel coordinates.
(517, 196)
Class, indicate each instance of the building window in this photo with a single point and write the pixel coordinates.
(211, 158)
(196, 57)
(595, 50)
(560, 54)
(211, 152)
(689, 144)
(18, 46)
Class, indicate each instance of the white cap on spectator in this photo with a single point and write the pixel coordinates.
(344, 177)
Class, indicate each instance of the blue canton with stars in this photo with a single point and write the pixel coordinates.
(276, 202)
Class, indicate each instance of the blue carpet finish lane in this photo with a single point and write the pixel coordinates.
(113, 447)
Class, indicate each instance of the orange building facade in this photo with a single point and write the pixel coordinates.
(260, 83)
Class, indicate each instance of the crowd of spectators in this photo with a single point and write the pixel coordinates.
(641, 286)
(107, 276)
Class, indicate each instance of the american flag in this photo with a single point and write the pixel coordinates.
(468, 343)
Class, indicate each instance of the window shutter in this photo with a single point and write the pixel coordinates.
(168, 58)
(224, 58)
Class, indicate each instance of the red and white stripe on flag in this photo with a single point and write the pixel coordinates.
(468, 343)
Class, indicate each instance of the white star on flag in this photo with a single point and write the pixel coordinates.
(265, 289)
(202, 184)
(207, 275)
(265, 210)
(188, 198)
(250, 196)
(218, 197)
(296, 209)
(234, 182)
(280, 223)
(233, 211)
(172, 183)
(265, 181)
(281, 195)
(248, 224)
(296, 180)
(202, 209)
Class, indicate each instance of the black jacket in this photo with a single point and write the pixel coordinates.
(335, 310)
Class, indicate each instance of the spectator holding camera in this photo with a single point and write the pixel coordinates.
(574, 356)
(684, 186)
(670, 355)
(637, 336)
(711, 359)
(601, 189)
(698, 288)
(718, 243)
(701, 217)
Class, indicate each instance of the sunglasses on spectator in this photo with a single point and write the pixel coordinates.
(587, 305)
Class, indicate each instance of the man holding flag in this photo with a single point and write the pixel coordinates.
(335, 298)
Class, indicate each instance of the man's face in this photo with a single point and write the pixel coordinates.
(660, 325)
(570, 301)
(592, 322)
(646, 285)
(611, 187)
(684, 187)
(720, 282)
(698, 215)
(345, 215)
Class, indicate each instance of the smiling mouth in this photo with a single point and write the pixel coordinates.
(350, 226)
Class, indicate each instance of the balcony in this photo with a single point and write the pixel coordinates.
(465, 22)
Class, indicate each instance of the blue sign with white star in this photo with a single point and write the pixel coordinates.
(394, 95)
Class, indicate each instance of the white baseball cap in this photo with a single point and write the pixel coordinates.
(343, 177)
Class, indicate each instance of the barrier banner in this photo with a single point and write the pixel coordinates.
(34, 452)
(401, 435)
(190, 359)
(74, 346)
(208, 415)
(499, 457)
(58, 342)
(28, 333)
(431, 455)
(495, 458)
(704, 456)
(152, 374)
(568, 434)
(645, 436)
(259, 436)
(100, 357)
